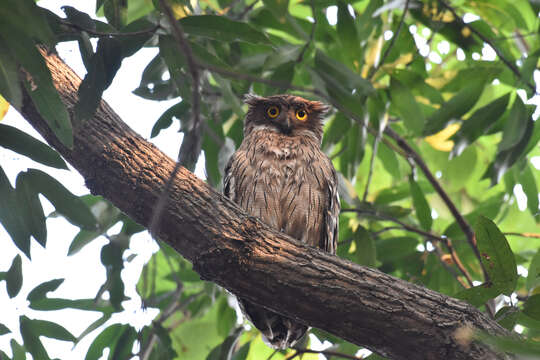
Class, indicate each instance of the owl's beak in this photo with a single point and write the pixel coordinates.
(285, 124)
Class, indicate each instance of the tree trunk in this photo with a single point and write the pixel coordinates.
(390, 316)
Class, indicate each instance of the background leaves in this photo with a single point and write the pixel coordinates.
(385, 67)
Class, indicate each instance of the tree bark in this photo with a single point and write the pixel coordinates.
(390, 316)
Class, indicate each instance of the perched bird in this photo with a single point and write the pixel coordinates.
(280, 175)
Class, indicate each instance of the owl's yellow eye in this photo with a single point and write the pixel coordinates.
(273, 111)
(301, 115)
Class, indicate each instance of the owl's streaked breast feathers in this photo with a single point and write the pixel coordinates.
(280, 175)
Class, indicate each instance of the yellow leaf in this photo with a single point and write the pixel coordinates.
(402, 60)
(466, 32)
(439, 81)
(439, 141)
(179, 11)
(372, 55)
(4, 106)
(447, 17)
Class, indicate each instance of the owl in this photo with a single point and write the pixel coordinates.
(280, 175)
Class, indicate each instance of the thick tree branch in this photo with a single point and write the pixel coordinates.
(369, 308)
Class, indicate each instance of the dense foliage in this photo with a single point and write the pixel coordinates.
(431, 133)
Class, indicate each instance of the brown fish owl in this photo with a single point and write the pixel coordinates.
(280, 175)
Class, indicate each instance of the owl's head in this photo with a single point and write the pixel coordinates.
(287, 114)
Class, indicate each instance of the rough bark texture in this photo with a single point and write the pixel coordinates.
(369, 308)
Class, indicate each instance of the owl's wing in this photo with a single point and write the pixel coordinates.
(228, 180)
(329, 236)
(231, 177)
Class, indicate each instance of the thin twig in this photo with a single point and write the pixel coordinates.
(193, 66)
(311, 35)
(272, 355)
(246, 10)
(525, 234)
(463, 224)
(376, 141)
(179, 36)
(515, 36)
(109, 34)
(499, 53)
(448, 268)
(457, 261)
(253, 78)
(403, 225)
(392, 41)
(444, 240)
(385, 229)
(371, 165)
(146, 350)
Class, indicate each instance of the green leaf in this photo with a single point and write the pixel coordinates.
(339, 76)
(11, 11)
(507, 317)
(530, 189)
(453, 109)
(366, 251)
(14, 278)
(47, 304)
(38, 83)
(83, 238)
(116, 12)
(153, 74)
(532, 307)
(171, 53)
(391, 249)
(40, 291)
(496, 255)
(179, 111)
(226, 317)
(30, 209)
(10, 218)
(19, 353)
(478, 124)
(30, 333)
(16, 140)
(335, 130)
(133, 43)
(421, 206)
(516, 126)
(10, 87)
(123, 348)
(478, 295)
(64, 201)
(225, 350)
(353, 144)
(51, 330)
(513, 345)
(4, 329)
(407, 107)
(533, 277)
(279, 8)
(103, 67)
(507, 157)
(108, 338)
(346, 31)
(102, 320)
(222, 29)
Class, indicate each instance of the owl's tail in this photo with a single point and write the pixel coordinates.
(278, 331)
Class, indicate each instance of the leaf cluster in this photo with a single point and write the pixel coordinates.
(433, 139)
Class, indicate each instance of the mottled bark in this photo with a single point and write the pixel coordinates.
(369, 308)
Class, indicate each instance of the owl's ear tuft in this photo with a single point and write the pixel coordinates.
(252, 99)
(318, 107)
